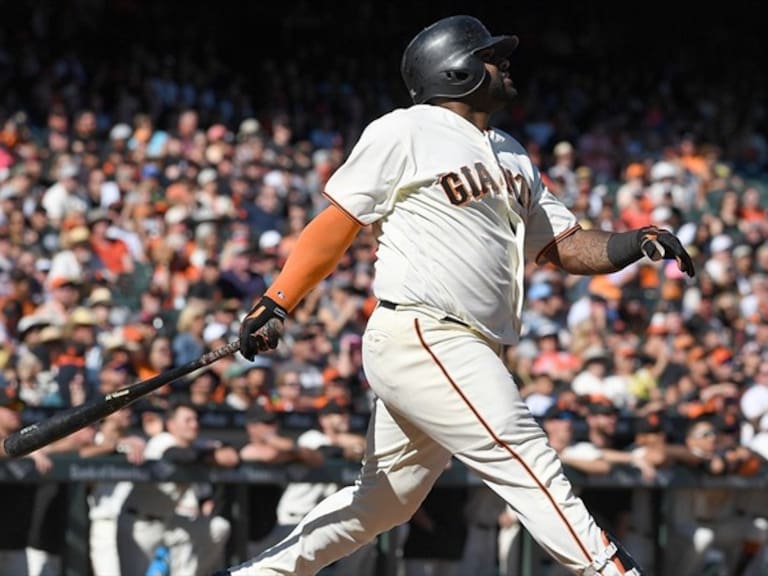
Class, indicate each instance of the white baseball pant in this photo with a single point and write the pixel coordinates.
(442, 390)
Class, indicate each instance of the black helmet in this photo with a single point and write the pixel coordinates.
(441, 60)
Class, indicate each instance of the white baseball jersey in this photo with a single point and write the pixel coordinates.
(456, 221)
(457, 211)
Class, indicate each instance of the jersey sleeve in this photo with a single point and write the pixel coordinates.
(548, 219)
(312, 439)
(364, 185)
(157, 445)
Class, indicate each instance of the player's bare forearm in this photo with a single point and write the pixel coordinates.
(582, 252)
(598, 252)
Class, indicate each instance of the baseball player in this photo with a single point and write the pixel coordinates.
(458, 206)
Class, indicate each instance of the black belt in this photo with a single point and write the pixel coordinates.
(393, 306)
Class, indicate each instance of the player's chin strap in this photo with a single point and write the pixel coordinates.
(613, 560)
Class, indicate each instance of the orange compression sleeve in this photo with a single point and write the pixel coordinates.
(315, 255)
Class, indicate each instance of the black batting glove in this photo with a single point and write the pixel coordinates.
(658, 244)
(262, 328)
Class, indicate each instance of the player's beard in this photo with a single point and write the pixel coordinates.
(502, 90)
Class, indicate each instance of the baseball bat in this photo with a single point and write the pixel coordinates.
(70, 420)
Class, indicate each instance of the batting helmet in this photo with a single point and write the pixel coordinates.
(442, 60)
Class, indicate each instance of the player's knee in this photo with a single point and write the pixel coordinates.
(379, 511)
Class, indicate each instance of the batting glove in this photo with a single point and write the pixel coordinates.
(657, 244)
(262, 328)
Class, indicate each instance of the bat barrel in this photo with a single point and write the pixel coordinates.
(71, 420)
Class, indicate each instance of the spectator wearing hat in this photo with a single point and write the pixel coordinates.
(237, 392)
(28, 330)
(81, 331)
(92, 268)
(336, 388)
(101, 304)
(552, 358)
(540, 393)
(308, 358)
(209, 199)
(259, 377)
(580, 455)
(63, 294)
(595, 364)
(20, 299)
(206, 287)
(538, 313)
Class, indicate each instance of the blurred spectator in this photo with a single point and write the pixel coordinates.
(188, 343)
(562, 173)
(269, 445)
(16, 498)
(238, 394)
(481, 511)
(179, 516)
(331, 440)
(105, 499)
(288, 393)
(561, 364)
(204, 390)
(706, 524)
(237, 278)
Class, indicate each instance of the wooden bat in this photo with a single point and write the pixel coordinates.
(70, 420)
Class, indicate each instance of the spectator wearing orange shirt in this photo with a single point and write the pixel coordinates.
(561, 364)
(113, 252)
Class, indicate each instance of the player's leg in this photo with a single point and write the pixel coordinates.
(399, 469)
(465, 398)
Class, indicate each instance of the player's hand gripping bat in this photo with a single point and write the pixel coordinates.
(71, 420)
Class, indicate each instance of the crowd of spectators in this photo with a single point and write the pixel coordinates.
(143, 208)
